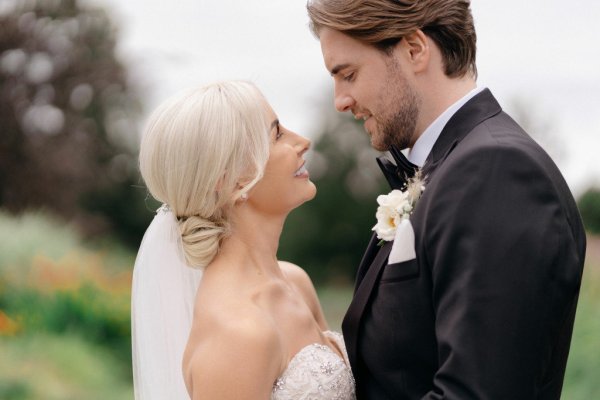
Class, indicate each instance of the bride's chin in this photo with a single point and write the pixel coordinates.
(307, 198)
(312, 193)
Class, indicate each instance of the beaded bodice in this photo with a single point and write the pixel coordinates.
(317, 373)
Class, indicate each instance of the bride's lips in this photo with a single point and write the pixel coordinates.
(301, 172)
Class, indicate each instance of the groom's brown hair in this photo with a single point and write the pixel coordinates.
(383, 23)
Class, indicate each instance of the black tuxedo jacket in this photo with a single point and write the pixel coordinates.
(486, 309)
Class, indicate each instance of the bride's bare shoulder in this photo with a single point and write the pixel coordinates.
(233, 354)
(300, 279)
(225, 314)
(295, 273)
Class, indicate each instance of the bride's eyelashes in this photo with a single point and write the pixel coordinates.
(279, 133)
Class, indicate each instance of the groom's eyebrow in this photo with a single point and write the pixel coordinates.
(335, 70)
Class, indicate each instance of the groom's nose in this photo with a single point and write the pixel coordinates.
(343, 101)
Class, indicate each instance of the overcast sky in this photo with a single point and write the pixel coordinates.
(545, 54)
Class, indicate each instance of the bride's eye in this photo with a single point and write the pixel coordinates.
(279, 133)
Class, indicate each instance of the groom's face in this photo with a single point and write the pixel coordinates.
(371, 84)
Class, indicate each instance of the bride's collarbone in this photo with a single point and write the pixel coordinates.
(292, 317)
(270, 301)
(298, 327)
(274, 302)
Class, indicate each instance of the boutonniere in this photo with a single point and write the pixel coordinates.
(397, 206)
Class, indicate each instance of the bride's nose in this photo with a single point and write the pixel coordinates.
(302, 144)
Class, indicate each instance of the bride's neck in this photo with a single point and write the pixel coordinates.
(254, 240)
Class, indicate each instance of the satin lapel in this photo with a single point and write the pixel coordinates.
(351, 322)
(367, 260)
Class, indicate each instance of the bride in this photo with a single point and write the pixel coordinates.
(238, 324)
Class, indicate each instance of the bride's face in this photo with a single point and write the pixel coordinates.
(286, 183)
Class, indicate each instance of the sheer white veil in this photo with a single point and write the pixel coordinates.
(162, 304)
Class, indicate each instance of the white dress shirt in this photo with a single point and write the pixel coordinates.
(422, 147)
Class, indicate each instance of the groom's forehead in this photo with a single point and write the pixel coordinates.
(340, 50)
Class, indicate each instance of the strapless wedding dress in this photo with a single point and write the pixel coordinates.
(317, 373)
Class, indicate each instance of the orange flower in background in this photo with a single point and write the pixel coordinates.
(73, 271)
(8, 327)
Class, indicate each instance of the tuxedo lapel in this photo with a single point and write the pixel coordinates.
(366, 261)
(363, 290)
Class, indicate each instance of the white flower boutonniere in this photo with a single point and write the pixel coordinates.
(396, 206)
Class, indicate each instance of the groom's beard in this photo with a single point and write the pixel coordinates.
(397, 127)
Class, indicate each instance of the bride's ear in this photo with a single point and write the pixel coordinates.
(234, 195)
(240, 194)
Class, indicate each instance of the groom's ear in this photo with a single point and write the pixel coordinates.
(416, 50)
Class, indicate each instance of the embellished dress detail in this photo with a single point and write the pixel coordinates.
(317, 373)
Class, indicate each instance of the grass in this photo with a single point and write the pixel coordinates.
(63, 367)
(581, 378)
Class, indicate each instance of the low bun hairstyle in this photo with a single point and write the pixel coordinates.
(200, 151)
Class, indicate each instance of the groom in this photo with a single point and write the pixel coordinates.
(474, 296)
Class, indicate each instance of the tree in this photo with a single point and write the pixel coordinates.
(589, 207)
(67, 116)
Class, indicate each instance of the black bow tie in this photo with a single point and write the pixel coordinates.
(397, 174)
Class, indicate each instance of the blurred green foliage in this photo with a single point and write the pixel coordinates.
(64, 313)
(51, 367)
(581, 379)
(31, 233)
(589, 207)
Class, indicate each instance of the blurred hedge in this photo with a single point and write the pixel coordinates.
(589, 207)
(64, 313)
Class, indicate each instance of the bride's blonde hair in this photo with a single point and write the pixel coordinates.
(200, 152)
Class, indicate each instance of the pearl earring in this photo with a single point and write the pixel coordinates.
(244, 196)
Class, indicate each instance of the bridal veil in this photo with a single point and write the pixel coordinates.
(162, 305)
